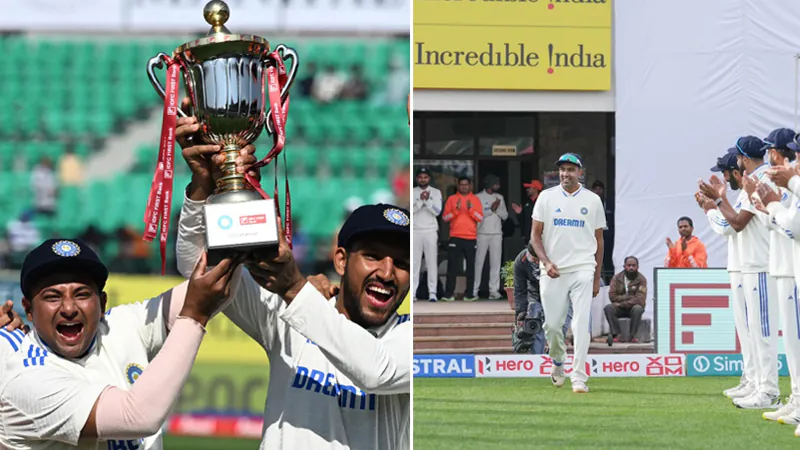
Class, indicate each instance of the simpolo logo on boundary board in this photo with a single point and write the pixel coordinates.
(512, 44)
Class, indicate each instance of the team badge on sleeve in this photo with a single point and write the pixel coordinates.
(66, 249)
(396, 217)
(584, 211)
(132, 372)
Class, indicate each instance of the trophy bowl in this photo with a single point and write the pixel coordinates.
(225, 78)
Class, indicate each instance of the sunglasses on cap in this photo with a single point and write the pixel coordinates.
(569, 158)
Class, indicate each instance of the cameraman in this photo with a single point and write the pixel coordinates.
(527, 301)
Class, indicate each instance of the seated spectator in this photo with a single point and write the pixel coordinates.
(688, 252)
(356, 87)
(627, 292)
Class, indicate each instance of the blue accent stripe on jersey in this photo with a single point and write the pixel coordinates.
(796, 312)
(19, 335)
(762, 297)
(41, 358)
(721, 222)
(10, 339)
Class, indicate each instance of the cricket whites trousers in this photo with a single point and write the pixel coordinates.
(742, 330)
(556, 294)
(425, 244)
(790, 324)
(493, 243)
(762, 320)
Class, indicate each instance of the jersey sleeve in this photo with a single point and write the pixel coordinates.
(377, 366)
(718, 223)
(40, 403)
(148, 319)
(538, 208)
(255, 311)
(191, 236)
(600, 214)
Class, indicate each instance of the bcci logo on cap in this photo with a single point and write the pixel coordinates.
(66, 249)
(396, 217)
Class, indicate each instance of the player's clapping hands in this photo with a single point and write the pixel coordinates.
(766, 195)
(714, 189)
(780, 175)
(749, 184)
(704, 202)
(207, 291)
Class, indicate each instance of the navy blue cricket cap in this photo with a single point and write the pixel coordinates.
(749, 146)
(727, 162)
(56, 255)
(374, 218)
(795, 144)
(570, 158)
(779, 138)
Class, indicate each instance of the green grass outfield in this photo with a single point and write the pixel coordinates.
(203, 443)
(618, 413)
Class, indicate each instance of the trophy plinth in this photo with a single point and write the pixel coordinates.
(228, 78)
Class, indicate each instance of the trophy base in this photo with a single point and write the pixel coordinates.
(239, 227)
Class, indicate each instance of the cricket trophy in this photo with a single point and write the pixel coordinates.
(237, 85)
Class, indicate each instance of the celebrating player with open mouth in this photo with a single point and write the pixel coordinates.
(567, 235)
(340, 370)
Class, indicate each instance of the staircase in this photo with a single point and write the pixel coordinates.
(462, 332)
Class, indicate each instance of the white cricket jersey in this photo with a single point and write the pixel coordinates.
(45, 399)
(332, 384)
(780, 244)
(492, 222)
(426, 211)
(721, 226)
(754, 238)
(787, 220)
(570, 222)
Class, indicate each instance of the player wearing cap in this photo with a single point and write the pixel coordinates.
(340, 369)
(427, 206)
(85, 374)
(732, 175)
(759, 287)
(490, 236)
(567, 236)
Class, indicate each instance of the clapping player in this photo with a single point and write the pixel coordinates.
(759, 287)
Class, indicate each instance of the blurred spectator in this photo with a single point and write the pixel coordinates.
(600, 189)
(22, 236)
(134, 252)
(397, 84)
(70, 169)
(300, 248)
(94, 238)
(45, 187)
(401, 188)
(306, 83)
(688, 252)
(327, 86)
(356, 87)
(464, 212)
(525, 213)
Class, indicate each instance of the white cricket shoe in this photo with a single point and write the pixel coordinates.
(557, 374)
(759, 400)
(797, 431)
(783, 412)
(579, 387)
(734, 391)
(745, 392)
(792, 418)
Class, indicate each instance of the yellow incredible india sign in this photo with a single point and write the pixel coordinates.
(512, 44)
(224, 342)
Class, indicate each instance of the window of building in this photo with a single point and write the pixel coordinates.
(450, 135)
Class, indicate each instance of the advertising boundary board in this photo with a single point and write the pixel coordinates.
(539, 366)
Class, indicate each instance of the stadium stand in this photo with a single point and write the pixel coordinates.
(73, 94)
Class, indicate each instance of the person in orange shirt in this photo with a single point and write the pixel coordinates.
(688, 252)
(463, 211)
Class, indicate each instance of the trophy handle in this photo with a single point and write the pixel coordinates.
(284, 52)
(157, 62)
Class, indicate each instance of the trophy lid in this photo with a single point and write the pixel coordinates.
(219, 39)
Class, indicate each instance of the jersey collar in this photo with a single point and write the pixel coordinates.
(567, 194)
(380, 330)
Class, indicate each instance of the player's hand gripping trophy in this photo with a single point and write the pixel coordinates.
(237, 85)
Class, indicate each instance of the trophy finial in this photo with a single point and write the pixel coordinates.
(216, 13)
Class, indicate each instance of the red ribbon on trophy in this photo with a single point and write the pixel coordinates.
(159, 202)
(275, 80)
